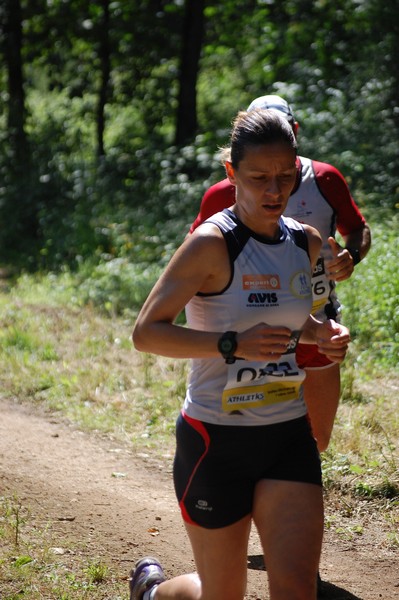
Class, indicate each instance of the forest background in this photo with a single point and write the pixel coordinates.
(112, 113)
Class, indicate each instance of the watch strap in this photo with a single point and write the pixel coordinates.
(355, 254)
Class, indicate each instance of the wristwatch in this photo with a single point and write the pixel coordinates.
(355, 254)
(227, 345)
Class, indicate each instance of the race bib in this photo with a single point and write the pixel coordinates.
(260, 395)
(254, 384)
(320, 286)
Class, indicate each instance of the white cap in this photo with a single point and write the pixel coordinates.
(274, 103)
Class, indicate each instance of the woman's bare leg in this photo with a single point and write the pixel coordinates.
(289, 519)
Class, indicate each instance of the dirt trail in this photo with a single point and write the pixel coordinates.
(118, 506)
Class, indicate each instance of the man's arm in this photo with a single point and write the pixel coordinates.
(351, 224)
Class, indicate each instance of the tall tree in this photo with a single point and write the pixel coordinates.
(12, 45)
(104, 56)
(193, 34)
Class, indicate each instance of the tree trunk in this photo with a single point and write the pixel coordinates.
(16, 101)
(193, 34)
(104, 54)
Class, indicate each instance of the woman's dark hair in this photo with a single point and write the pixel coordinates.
(256, 128)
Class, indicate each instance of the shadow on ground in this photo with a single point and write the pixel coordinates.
(325, 590)
(256, 562)
(329, 591)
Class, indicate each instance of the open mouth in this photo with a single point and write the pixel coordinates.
(272, 207)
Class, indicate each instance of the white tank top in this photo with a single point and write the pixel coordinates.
(270, 282)
(308, 205)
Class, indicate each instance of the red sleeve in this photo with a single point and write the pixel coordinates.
(334, 188)
(216, 198)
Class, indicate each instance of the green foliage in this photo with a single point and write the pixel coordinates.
(79, 360)
(370, 300)
(14, 518)
(386, 489)
(117, 285)
(336, 65)
(137, 202)
(97, 572)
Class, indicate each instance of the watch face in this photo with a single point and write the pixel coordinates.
(226, 345)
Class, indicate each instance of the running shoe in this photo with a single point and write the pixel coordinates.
(148, 572)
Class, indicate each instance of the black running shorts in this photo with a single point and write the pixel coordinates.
(216, 467)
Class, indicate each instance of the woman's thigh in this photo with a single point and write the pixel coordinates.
(221, 559)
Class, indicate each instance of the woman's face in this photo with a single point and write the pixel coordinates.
(264, 180)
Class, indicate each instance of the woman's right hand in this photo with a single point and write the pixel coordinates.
(263, 342)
